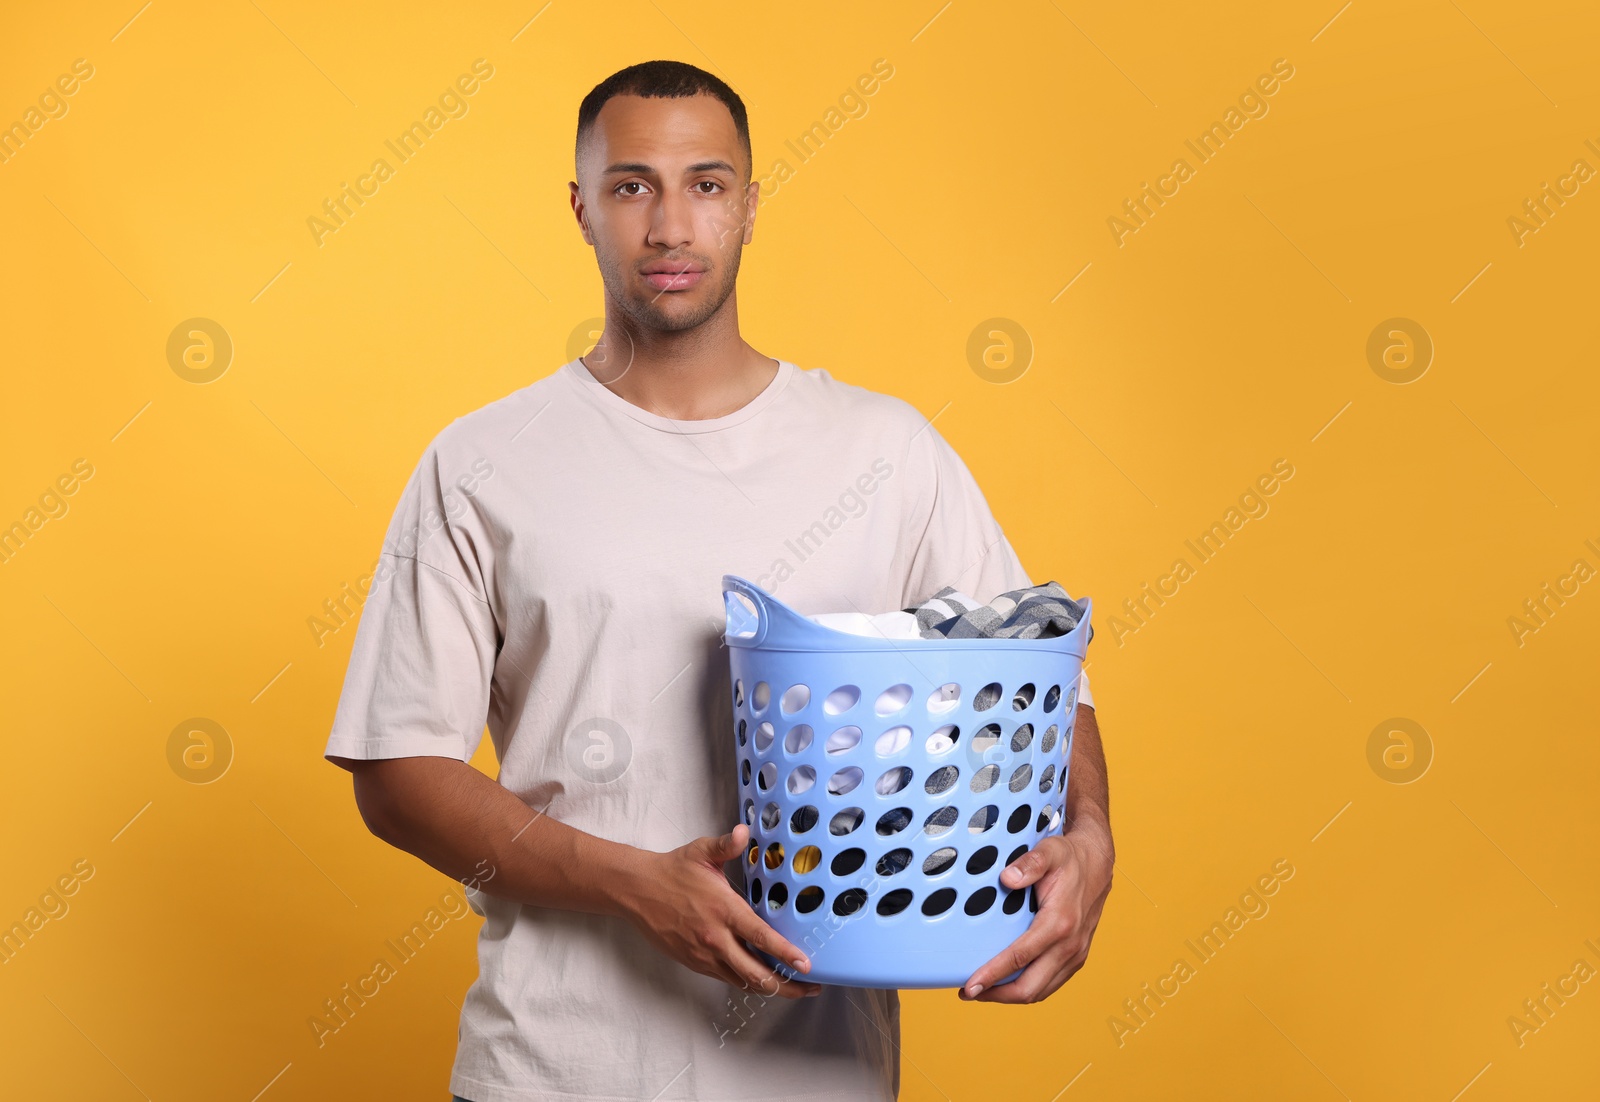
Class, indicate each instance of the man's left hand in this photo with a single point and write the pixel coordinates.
(1071, 874)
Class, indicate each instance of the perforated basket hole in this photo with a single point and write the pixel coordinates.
(1071, 707)
(744, 771)
(1021, 737)
(768, 776)
(801, 780)
(892, 741)
(1021, 776)
(1047, 778)
(981, 861)
(1019, 819)
(893, 822)
(1023, 697)
(806, 858)
(1052, 697)
(765, 733)
(979, 901)
(749, 813)
(944, 698)
(798, 738)
(939, 902)
(845, 738)
(847, 861)
(939, 861)
(1047, 741)
(892, 700)
(1061, 781)
(846, 821)
(760, 697)
(774, 856)
(941, 821)
(753, 853)
(1016, 853)
(841, 700)
(742, 735)
(987, 738)
(984, 779)
(1033, 899)
(944, 739)
(738, 692)
(755, 891)
(895, 861)
(987, 697)
(795, 697)
(803, 819)
(1014, 900)
(983, 818)
(1055, 820)
(941, 780)
(893, 780)
(771, 816)
(777, 896)
(845, 780)
(849, 901)
(808, 900)
(894, 902)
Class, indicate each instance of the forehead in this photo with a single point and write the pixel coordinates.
(667, 134)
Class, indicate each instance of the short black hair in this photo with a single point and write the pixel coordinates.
(662, 80)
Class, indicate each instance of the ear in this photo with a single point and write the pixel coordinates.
(752, 203)
(578, 210)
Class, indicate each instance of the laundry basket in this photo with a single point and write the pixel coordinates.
(888, 782)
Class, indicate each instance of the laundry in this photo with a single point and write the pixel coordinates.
(886, 625)
(1036, 612)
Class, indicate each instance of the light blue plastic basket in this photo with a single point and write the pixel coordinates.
(898, 886)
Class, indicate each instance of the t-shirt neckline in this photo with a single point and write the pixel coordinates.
(602, 394)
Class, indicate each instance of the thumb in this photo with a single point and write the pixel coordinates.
(727, 846)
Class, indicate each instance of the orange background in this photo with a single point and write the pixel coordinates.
(1247, 721)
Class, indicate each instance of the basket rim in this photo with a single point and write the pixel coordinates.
(793, 632)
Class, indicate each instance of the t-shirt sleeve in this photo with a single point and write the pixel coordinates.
(421, 666)
(955, 538)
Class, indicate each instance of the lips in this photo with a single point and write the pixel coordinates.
(673, 277)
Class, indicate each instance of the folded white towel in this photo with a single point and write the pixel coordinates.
(885, 625)
(895, 625)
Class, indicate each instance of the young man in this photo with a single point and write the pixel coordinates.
(554, 568)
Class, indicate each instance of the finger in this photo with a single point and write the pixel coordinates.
(750, 927)
(732, 844)
(717, 849)
(756, 973)
(1038, 981)
(763, 977)
(1031, 866)
(1035, 940)
(718, 969)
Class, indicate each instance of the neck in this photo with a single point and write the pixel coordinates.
(687, 375)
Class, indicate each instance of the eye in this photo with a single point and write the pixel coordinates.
(629, 183)
(713, 183)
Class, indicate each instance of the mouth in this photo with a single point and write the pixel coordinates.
(673, 277)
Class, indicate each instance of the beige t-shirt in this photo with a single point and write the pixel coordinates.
(554, 568)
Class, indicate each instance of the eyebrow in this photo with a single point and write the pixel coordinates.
(642, 169)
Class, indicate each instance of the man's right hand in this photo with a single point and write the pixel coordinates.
(681, 901)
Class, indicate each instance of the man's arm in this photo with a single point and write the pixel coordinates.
(1088, 810)
(474, 830)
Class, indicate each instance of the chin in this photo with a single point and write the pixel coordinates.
(686, 316)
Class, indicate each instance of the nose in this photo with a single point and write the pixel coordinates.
(672, 222)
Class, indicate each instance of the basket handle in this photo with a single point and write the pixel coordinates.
(744, 628)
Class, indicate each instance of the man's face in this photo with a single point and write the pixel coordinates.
(662, 198)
